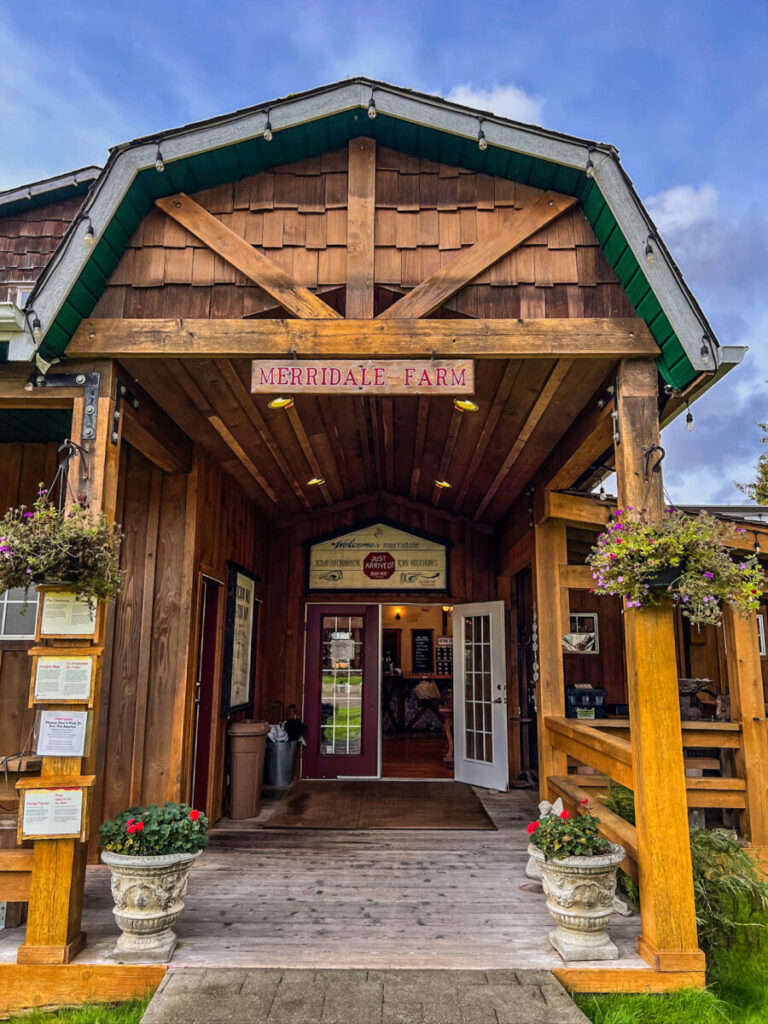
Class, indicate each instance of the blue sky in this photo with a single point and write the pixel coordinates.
(680, 88)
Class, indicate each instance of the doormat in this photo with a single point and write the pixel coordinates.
(370, 805)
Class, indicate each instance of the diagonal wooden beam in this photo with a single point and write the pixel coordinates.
(555, 379)
(235, 250)
(241, 393)
(436, 289)
(309, 452)
(422, 416)
(542, 338)
(360, 219)
(500, 400)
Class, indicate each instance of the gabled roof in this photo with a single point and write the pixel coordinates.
(49, 190)
(207, 153)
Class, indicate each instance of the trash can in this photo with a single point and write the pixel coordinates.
(248, 742)
(278, 770)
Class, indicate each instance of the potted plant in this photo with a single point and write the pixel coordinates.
(71, 546)
(578, 872)
(150, 851)
(681, 555)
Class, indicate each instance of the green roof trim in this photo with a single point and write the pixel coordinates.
(237, 157)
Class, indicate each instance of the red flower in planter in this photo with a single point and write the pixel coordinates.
(584, 802)
(194, 815)
(128, 824)
(139, 826)
(564, 814)
(533, 826)
(131, 829)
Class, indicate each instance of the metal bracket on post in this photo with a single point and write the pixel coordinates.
(89, 382)
(122, 394)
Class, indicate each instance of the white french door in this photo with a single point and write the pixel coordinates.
(480, 695)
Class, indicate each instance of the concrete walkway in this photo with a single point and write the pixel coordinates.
(274, 996)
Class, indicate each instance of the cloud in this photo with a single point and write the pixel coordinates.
(683, 206)
(505, 100)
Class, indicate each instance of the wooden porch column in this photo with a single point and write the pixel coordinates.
(745, 685)
(551, 603)
(54, 935)
(668, 921)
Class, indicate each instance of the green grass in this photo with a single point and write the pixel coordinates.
(737, 993)
(106, 1013)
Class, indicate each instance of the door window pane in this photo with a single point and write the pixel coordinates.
(341, 692)
(478, 700)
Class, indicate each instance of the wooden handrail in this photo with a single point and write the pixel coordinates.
(610, 755)
(612, 826)
(710, 735)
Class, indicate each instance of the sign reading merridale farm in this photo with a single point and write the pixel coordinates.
(370, 377)
(378, 557)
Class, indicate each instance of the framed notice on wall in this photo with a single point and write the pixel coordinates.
(56, 810)
(239, 640)
(64, 615)
(63, 677)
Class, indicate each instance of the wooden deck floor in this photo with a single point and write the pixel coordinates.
(357, 899)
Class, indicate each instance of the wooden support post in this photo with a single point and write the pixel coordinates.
(668, 919)
(360, 220)
(54, 935)
(745, 686)
(551, 603)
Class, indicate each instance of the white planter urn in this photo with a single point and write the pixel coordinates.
(148, 894)
(579, 892)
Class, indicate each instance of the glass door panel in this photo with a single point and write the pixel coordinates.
(341, 691)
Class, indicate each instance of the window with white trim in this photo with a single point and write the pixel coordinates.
(16, 621)
(761, 634)
(584, 635)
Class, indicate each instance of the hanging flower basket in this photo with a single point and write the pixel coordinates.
(71, 546)
(683, 556)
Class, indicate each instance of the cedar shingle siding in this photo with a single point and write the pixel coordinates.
(27, 241)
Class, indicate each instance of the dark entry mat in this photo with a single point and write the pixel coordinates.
(342, 805)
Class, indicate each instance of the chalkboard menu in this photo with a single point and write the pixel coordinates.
(421, 650)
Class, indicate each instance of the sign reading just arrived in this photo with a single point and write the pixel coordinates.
(368, 377)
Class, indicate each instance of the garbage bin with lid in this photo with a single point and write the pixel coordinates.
(278, 770)
(248, 741)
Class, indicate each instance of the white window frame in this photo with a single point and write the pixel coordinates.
(584, 632)
(761, 642)
(30, 615)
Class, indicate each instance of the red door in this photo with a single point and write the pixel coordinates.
(341, 691)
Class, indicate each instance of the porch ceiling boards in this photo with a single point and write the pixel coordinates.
(398, 445)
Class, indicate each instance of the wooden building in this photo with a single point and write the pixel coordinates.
(371, 224)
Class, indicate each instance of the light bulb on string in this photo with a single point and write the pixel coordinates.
(37, 328)
(372, 107)
(589, 169)
(689, 425)
(268, 136)
(90, 237)
(650, 257)
(601, 494)
(159, 162)
(482, 142)
(704, 352)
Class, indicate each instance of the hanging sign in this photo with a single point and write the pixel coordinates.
(62, 733)
(65, 677)
(378, 557)
(49, 813)
(366, 377)
(63, 614)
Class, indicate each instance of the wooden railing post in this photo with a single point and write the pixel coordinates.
(54, 933)
(668, 938)
(745, 685)
(551, 603)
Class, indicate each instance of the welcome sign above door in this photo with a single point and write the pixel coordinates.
(368, 377)
(378, 557)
